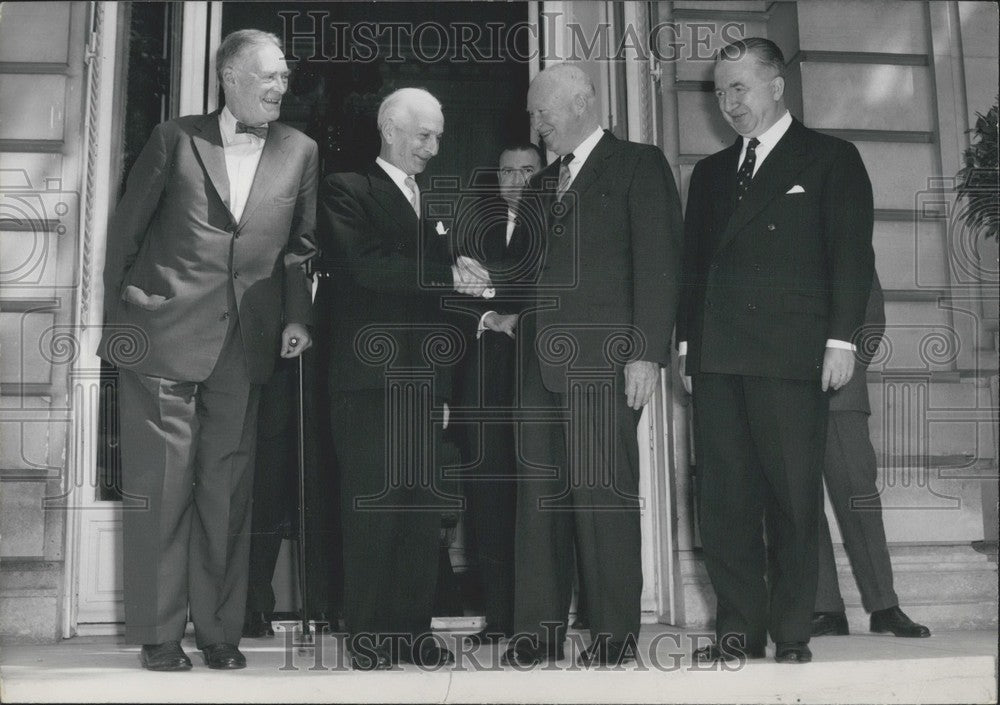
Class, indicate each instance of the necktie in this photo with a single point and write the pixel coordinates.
(260, 131)
(414, 194)
(564, 176)
(745, 174)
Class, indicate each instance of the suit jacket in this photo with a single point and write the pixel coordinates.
(175, 251)
(488, 366)
(609, 281)
(387, 273)
(853, 396)
(770, 280)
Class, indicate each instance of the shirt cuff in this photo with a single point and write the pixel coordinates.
(682, 348)
(841, 345)
(482, 324)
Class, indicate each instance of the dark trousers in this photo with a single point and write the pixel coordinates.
(578, 485)
(276, 488)
(391, 529)
(851, 471)
(188, 449)
(490, 484)
(759, 445)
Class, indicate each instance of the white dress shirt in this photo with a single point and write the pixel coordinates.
(511, 223)
(242, 157)
(398, 177)
(581, 153)
(767, 142)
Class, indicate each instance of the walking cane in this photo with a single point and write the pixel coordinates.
(307, 636)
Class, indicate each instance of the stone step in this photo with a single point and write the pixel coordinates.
(944, 586)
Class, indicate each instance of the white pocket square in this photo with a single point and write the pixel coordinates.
(795, 189)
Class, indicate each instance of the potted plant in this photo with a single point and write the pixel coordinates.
(978, 179)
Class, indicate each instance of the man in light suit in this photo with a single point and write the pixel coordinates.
(606, 218)
(488, 381)
(204, 286)
(851, 470)
(778, 250)
(388, 271)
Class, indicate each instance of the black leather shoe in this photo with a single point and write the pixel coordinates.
(792, 652)
(607, 653)
(375, 659)
(524, 655)
(168, 656)
(893, 619)
(256, 625)
(712, 653)
(428, 654)
(829, 624)
(224, 657)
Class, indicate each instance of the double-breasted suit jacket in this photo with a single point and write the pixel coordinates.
(789, 268)
(770, 280)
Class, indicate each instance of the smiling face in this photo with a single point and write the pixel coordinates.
(558, 115)
(413, 137)
(516, 167)
(254, 83)
(750, 95)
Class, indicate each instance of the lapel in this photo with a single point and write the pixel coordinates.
(271, 164)
(391, 199)
(775, 176)
(592, 168)
(207, 142)
(726, 183)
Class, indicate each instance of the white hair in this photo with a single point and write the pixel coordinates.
(570, 75)
(402, 100)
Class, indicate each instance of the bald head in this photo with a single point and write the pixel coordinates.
(411, 124)
(562, 105)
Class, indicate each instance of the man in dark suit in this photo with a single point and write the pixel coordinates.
(205, 265)
(388, 348)
(606, 219)
(488, 383)
(851, 471)
(778, 251)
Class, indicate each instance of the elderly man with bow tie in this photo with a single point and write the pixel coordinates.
(205, 285)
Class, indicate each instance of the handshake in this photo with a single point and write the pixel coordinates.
(471, 278)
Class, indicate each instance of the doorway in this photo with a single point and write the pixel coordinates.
(473, 56)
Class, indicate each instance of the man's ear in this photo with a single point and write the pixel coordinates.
(777, 87)
(229, 76)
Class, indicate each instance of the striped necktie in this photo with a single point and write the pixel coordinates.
(414, 194)
(564, 176)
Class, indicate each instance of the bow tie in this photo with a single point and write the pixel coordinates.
(259, 131)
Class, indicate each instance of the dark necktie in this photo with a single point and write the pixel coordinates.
(745, 174)
(259, 131)
(564, 176)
